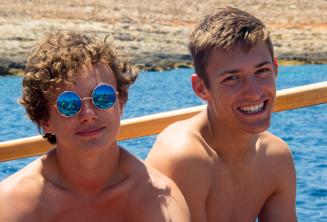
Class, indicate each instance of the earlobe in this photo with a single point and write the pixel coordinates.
(199, 87)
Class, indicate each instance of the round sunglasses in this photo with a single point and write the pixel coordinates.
(69, 103)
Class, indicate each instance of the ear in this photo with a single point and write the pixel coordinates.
(199, 87)
(276, 66)
(46, 126)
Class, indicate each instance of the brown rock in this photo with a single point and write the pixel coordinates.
(155, 33)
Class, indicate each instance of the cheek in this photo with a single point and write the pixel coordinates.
(225, 93)
(52, 121)
(62, 125)
(113, 115)
(221, 99)
(270, 84)
(59, 124)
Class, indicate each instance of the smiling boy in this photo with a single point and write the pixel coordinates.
(226, 164)
(74, 89)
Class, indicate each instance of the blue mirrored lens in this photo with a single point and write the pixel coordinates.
(104, 96)
(69, 104)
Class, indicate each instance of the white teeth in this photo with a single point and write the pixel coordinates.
(252, 109)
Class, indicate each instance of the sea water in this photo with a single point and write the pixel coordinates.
(305, 129)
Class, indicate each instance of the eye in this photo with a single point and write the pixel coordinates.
(230, 78)
(263, 71)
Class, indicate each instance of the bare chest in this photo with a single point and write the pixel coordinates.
(59, 205)
(64, 209)
(237, 196)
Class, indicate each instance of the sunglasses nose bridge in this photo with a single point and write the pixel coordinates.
(88, 109)
(86, 98)
(88, 104)
(91, 102)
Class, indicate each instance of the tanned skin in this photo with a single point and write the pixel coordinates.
(88, 177)
(226, 164)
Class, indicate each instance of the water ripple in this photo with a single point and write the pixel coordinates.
(305, 129)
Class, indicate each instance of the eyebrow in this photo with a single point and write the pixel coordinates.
(229, 71)
(263, 63)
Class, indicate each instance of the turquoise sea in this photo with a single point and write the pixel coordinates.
(305, 130)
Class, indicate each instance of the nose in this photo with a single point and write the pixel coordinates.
(252, 89)
(88, 112)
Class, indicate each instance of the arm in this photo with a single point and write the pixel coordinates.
(179, 159)
(3, 203)
(280, 206)
(19, 196)
(177, 208)
(10, 207)
(157, 198)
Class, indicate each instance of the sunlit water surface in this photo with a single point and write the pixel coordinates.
(305, 130)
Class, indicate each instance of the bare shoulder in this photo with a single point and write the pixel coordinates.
(173, 206)
(20, 193)
(153, 194)
(180, 149)
(182, 154)
(276, 157)
(22, 183)
(179, 143)
(278, 168)
(274, 147)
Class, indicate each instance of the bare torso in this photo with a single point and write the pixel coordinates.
(239, 193)
(143, 195)
(230, 191)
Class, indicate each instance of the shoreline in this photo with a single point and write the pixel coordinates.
(155, 34)
(170, 65)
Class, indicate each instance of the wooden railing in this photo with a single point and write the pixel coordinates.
(287, 99)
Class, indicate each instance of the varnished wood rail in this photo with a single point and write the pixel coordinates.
(287, 99)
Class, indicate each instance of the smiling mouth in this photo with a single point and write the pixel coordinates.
(257, 108)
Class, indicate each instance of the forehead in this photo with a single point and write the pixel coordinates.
(85, 80)
(94, 74)
(88, 77)
(238, 58)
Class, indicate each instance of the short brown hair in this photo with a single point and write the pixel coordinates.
(224, 29)
(54, 60)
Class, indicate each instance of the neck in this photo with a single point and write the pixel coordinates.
(88, 171)
(232, 145)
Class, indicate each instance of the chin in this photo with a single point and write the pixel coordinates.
(94, 144)
(256, 128)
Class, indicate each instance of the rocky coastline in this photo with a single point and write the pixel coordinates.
(155, 33)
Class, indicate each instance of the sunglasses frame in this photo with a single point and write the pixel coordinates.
(86, 98)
